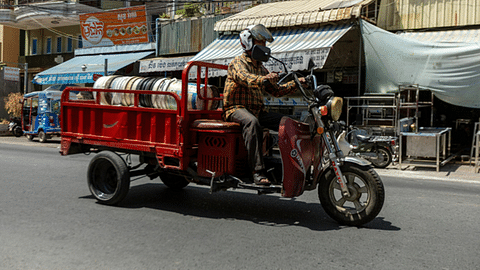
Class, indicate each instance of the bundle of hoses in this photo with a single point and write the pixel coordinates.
(153, 84)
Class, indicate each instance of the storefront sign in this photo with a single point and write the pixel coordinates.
(116, 27)
(11, 74)
(67, 78)
(163, 64)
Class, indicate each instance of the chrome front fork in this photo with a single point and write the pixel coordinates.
(334, 154)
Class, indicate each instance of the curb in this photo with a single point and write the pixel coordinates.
(466, 174)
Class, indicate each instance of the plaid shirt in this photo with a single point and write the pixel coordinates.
(244, 86)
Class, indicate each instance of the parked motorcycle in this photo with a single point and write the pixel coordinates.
(15, 126)
(379, 150)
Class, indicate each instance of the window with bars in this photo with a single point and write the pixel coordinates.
(69, 44)
(80, 42)
(59, 45)
(34, 46)
(48, 45)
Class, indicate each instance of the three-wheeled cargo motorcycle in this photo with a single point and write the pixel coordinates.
(184, 145)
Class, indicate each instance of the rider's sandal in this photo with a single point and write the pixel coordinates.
(261, 180)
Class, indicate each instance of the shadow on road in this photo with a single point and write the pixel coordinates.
(266, 210)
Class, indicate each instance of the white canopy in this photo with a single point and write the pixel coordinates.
(450, 70)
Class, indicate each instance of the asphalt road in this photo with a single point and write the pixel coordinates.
(49, 220)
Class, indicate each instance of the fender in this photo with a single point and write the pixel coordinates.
(356, 160)
(352, 160)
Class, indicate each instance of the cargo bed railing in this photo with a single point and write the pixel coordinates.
(92, 120)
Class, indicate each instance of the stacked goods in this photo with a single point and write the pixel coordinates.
(153, 84)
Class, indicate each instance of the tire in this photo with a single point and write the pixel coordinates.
(384, 158)
(108, 178)
(173, 181)
(17, 131)
(29, 137)
(42, 137)
(367, 195)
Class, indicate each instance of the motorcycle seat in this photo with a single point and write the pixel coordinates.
(363, 138)
(204, 124)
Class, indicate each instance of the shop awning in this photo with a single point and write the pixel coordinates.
(71, 71)
(294, 47)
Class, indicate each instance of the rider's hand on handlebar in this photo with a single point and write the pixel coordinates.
(272, 78)
(303, 82)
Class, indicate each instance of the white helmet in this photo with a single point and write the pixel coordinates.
(257, 32)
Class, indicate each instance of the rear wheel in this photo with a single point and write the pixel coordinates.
(173, 181)
(17, 131)
(366, 198)
(384, 158)
(108, 178)
(42, 137)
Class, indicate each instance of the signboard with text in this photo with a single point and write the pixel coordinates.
(115, 27)
(11, 74)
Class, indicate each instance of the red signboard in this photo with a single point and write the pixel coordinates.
(115, 27)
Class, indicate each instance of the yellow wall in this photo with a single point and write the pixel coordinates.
(418, 14)
(10, 48)
(42, 34)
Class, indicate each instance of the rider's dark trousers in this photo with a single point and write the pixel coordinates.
(252, 132)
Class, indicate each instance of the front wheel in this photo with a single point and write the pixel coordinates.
(108, 178)
(367, 195)
(384, 158)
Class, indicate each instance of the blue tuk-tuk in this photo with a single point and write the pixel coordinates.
(41, 114)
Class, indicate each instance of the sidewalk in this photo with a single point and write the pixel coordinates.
(452, 171)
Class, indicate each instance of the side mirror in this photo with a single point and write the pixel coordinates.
(261, 53)
(311, 64)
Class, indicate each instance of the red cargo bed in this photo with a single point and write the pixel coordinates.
(89, 124)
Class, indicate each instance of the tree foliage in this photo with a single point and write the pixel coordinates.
(13, 105)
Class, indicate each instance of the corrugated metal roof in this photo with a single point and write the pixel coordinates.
(452, 36)
(187, 36)
(293, 13)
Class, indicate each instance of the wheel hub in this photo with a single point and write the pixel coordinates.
(354, 194)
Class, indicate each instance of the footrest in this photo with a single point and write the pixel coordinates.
(261, 189)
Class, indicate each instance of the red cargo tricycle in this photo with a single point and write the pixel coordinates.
(185, 145)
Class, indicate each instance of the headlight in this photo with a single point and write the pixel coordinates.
(333, 108)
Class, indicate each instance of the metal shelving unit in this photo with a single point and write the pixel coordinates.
(383, 111)
(373, 110)
(408, 99)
